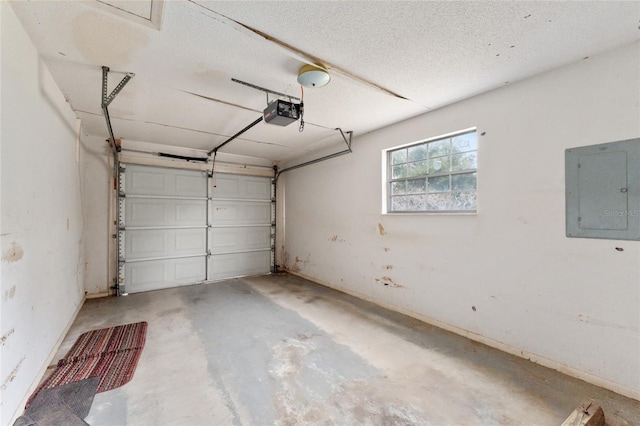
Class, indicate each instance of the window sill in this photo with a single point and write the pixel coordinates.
(430, 213)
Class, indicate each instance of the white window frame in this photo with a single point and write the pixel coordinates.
(388, 179)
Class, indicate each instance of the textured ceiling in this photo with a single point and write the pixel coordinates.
(389, 60)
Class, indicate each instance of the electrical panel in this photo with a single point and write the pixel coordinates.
(603, 191)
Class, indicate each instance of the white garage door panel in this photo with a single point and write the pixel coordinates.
(141, 180)
(241, 212)
(171, 233)
(164, 216)
(240, 239)
(164, 212)
(154, 243)
(225, 240)
(242, 187)
(240, 264)
(158, 274)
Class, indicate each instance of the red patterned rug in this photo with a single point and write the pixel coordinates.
(107, 340)
(110, 353)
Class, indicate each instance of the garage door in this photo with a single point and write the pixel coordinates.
(177, 229)
(241, 226)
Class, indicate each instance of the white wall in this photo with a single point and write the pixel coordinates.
(42, 283)
(572, 304)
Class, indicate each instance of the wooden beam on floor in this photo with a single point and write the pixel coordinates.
(587, 414)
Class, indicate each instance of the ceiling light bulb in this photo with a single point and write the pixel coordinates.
(313, 76)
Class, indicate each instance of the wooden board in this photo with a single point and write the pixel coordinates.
(587, 414)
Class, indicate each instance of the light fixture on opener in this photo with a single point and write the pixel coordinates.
(313, 76)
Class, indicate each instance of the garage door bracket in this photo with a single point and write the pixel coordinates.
(107, 99)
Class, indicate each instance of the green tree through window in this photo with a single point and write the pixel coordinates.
(434, 176)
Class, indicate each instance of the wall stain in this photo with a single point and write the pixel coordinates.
(336, 239)
(386, 249)
(107, 41)
(6, 336)
(9, 294)
(595, 321)
(297, 261)
(13, 254)
(381, 229)
(388, 267)
(209, 76)
(11, 376)
(388, 282)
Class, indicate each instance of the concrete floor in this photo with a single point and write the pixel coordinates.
(281, 350)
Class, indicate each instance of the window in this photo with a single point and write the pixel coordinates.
(433, 176)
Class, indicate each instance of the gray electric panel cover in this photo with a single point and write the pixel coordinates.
(603, 190)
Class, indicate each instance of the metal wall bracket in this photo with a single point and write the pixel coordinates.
(107, 99)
